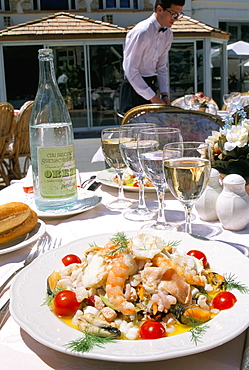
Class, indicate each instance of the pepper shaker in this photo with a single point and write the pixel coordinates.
(206, 204)
(232, 205)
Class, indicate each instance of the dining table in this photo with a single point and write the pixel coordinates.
(18, 350)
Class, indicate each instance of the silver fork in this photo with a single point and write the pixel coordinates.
(39, 248)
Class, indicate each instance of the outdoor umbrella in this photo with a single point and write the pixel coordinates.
(238, 48)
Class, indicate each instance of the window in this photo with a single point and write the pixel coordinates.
(6, 5)
(54, 4)
(239, 31)
(118, 4)
(7, 21)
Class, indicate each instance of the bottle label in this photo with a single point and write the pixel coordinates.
(57, 171)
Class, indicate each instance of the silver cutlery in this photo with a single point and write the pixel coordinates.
(40, 247)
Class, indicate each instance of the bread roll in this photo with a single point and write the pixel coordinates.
(16, 219)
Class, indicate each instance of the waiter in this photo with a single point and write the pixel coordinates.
(146, 55)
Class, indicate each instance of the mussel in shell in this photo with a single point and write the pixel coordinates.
(218, 282)
(97, 326)
(52, 281)
(192, 314)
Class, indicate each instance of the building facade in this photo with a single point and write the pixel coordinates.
(93, 60)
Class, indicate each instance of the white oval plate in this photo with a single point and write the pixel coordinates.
(86, 200)
(106, 178)
(24, 240)
(39, 322)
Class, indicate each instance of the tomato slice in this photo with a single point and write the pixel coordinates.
(199, 255)
(152, 330)
(224, 300)
(70, 258)
(65, 303)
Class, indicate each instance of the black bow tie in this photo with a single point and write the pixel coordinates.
(162, 29)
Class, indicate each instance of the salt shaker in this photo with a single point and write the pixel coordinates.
(206, 204)
(232, 205)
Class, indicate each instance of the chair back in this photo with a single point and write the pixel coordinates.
(21, 143)
(194, 125)
(6, 126)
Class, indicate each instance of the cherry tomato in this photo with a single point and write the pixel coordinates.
(136, 184)
(70, 258)
(224, 300)
(65, 303)
(199, 255)
(152, 330)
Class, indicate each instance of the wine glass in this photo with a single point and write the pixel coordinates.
(110, 146)
(188, 101)
(128, 149)
(151, 158)
(230, 100)
(187, 169)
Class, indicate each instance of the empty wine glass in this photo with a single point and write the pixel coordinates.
(187, 169)
(110, 146)
(188, 101)
(231, 100)
(151, 158)
(128, 149)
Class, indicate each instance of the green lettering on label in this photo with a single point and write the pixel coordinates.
(57, 178)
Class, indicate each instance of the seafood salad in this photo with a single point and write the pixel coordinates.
(137, 288)
(130, 179)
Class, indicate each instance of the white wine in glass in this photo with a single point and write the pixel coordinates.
(187, 169)
(110, 141)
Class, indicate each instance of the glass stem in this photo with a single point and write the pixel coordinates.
(188, 213)
(141, 200)
(120, 185)
(160, 190)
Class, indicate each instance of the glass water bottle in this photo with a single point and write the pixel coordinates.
(51, 142)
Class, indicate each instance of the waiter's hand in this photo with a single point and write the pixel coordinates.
(157, 100)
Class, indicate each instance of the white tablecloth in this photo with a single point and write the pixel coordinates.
(20, 351)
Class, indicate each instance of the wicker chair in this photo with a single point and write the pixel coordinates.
(21, 146)
(194, 125)
(6, 132)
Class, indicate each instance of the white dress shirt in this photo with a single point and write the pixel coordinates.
(146, 54)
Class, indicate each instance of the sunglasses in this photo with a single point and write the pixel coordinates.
(175, 15)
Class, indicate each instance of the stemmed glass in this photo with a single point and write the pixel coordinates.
(128, 149)
(110, 140)
(230, 100)
(188, 101)
(151, 158)
(187, 169)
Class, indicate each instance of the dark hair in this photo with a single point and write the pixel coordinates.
(165, 4)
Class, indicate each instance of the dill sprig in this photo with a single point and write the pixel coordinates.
(49, 299)
(91, 245)
(172, 243)
(119, 239)
(197, 332)
(231, 284)
(88, 342)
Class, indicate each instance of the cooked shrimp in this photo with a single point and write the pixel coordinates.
(122, 268)
(190, 277)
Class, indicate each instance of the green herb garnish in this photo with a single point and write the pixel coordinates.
(49, 299)
(173, 243)
(119, 239)
(231, 284)
(87, 343)
(197, 332)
